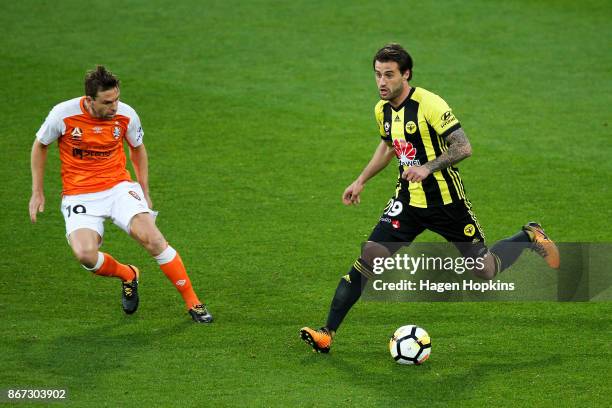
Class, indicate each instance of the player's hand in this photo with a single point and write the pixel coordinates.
(37, 204)
(351, 194)
(416, 174)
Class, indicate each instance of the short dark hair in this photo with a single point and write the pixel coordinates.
(98, 80)
(395, 52)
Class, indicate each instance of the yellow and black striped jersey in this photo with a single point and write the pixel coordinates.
(417, 130)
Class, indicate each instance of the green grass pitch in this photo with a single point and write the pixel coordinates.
(257, 115)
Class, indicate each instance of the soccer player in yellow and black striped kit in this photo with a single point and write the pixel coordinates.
(419, 129)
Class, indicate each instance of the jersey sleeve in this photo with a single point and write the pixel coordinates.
(440, 116)
(134, 134)
(379, 115)
(52, 128)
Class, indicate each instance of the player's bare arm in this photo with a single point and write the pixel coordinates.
(37, 162)
(382, 156)
(140, 160)
(459, 148)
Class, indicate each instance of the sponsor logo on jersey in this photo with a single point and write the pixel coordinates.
(411, 127)
(447, 117)
(81, 153)
(397, 118)
(116, 132)
(469, 230)
(405, 153)
(76, 133)
(133, 194)
(139, 133)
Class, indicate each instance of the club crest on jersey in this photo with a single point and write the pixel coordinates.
(116, 132)
(76, 133)
(469, 230)
(411, 127)
(405, 153)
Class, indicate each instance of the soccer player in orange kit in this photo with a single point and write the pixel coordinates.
(90, 132)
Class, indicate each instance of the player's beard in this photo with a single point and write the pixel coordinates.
(99, 115)
(106, 115)
(391, 93)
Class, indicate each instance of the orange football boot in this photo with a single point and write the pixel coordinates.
(543, 245)
(320, 340)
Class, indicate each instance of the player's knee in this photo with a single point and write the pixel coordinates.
(87, 255)
(372, 250)
(484, 273)
(486, 270)
(154, 243)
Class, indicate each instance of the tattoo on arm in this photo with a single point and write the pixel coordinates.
(458, 149)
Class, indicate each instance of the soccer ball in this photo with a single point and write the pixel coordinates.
(410, 345)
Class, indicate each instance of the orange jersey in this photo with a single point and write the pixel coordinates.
(91, 149)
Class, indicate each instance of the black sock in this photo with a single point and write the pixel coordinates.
(508, 250)
(347, 293)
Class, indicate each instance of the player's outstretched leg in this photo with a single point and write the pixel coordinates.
(171, 264)
(143, 230)
(531, 236)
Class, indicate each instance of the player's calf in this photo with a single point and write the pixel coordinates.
(106, 265)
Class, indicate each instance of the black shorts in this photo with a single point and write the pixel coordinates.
(401, 223)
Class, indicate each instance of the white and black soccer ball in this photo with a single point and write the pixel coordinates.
(410, 345)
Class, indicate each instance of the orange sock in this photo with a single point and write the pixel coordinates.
(110, 267)
(172, 265)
